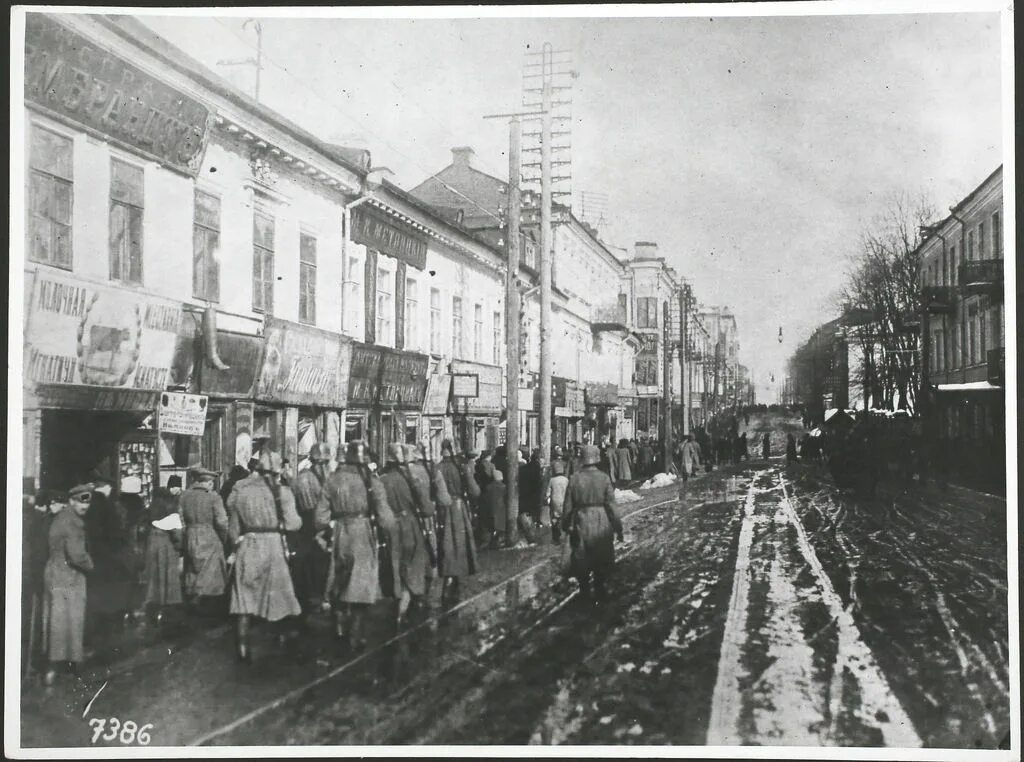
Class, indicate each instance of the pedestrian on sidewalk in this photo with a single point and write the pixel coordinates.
(494, 509)
(410, 557)
(260, 511)
(348, 503)
(556, 498)
(112, 582)
(457, 550)
(766, 446)
(790, 448)
(206, 532)
(39, 512)
(690, 457)
(64, 581)
(592, 523)
(310, 558)
(623, 465)
(163, 551)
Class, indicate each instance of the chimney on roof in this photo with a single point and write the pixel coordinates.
(646, 249)
(463, 156)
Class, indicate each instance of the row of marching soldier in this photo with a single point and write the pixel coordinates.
(339, 541)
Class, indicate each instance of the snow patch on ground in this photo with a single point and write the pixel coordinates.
(626, 496)
(659, 480)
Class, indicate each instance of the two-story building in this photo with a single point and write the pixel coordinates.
(962, 330)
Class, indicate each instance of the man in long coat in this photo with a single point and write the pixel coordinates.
(622, 464)
(311, 561)
(348, 503)
(590, 518)
(430, 492)
(113, 553)
(260, 511)
(410, 556)
(457, 552)
(64, 583)
(206, 532)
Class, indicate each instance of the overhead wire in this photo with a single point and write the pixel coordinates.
(348, 117)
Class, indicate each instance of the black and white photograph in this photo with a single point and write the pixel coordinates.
(476, 380)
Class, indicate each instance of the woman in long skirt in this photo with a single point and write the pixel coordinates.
(163, 552)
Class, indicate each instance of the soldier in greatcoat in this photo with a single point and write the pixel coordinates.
(457, 553)
(311, 561)
(206, 531)
(590, 518)
(64, 580)
(260, 511)
(410, 555)
(348, 503)
(430, 491)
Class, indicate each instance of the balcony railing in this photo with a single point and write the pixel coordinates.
(982, 277)
(996, 365)
(608, 317)
(939, 299)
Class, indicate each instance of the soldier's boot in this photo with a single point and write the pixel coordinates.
(401, 609)
(556, 529)
(585, 588)
(600, 590)
(242, 639)
(356, 632)
(340, 614)
(454, 592)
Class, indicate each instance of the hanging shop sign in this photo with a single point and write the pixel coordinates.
(465, 385)
(387, 377)
(575, 402)
(303, 366)
(76, 80)
(527, 400)
(242, 355)
(648, 344)
(183, 413)
(80, 333)
(66, 397)
(602, 394)
(485, 398)
(374, 230)
(435, 401)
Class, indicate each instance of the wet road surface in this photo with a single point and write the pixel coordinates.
(758, 605)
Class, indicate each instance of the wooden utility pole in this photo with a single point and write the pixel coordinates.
(684, 357)
(545, 263)
(512, 334)
(666, 384)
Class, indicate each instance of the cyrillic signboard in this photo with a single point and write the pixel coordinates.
(465, 385)
(84, 334)
(387, 377)
(373, 229)
(243, 355)
(304, 366)
(183, 413)
(486, 398)
(76, 80)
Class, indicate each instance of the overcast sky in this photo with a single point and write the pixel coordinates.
(752, 150)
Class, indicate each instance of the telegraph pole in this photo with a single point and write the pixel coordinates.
(512, 330)
(667, 385)
(684, 357)
(545, 262)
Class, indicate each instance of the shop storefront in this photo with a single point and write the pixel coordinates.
(603, 415)
(436, 421)
(96, 358)
(476, 404)
(301, 391)
(386, 392)
(568, 410)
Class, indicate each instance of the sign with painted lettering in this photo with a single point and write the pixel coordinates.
(183, 413)
(465, 385)
(373, 229)
(438, 390)
(84, 334)
(485, 397)
(76, 80)
(387, 377)
(66, 397)
(304, 366)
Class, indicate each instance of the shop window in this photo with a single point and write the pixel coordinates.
(478, 332)
(436, 436)
(435, 321)
(51, 185)
(385, 306)
(126, 211)
(307, 279)
(355, 428)
(496, 347)
(206, 247)
(262, 263)
(263, 424)
(981, 240)
(411, 427)
(412, 338)
(456, 326)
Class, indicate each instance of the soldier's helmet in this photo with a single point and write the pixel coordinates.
(395, 453)
(357, 454)
(590, 455)
(557, 467)
(270, 462)
(317, 454)
(412, 453)
(557, 452)
(447, 447)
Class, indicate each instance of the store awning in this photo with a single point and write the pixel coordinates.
(971, 386)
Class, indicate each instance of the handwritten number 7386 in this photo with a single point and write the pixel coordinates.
(127, 732)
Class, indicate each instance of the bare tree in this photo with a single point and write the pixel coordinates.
(883, 285)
